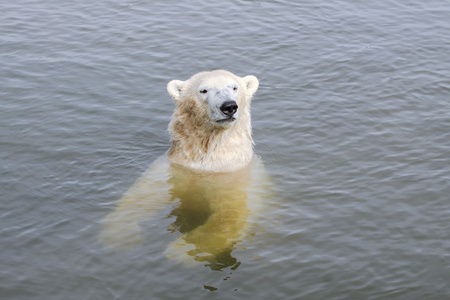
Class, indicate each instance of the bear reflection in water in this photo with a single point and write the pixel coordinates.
(212, 211)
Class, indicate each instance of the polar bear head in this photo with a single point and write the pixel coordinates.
(211, 126)
(216, 98)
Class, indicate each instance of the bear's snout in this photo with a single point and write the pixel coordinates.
(229, 108)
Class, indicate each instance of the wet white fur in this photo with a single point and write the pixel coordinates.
(213, 146)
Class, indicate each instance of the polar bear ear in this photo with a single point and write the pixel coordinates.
(174, 88)
(251, 84)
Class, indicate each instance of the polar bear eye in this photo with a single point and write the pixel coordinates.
(203, 91)
(235, 88)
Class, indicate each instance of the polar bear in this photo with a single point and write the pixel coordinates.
(210, 174)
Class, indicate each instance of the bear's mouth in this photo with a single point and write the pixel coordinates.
(226, 120)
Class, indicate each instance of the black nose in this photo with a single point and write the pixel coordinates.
(229, 108)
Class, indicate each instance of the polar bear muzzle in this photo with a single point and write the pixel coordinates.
(229, 108)
(221, 99)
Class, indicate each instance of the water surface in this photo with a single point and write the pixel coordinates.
(352, 120)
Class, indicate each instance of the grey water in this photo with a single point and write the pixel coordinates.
(352, 121)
